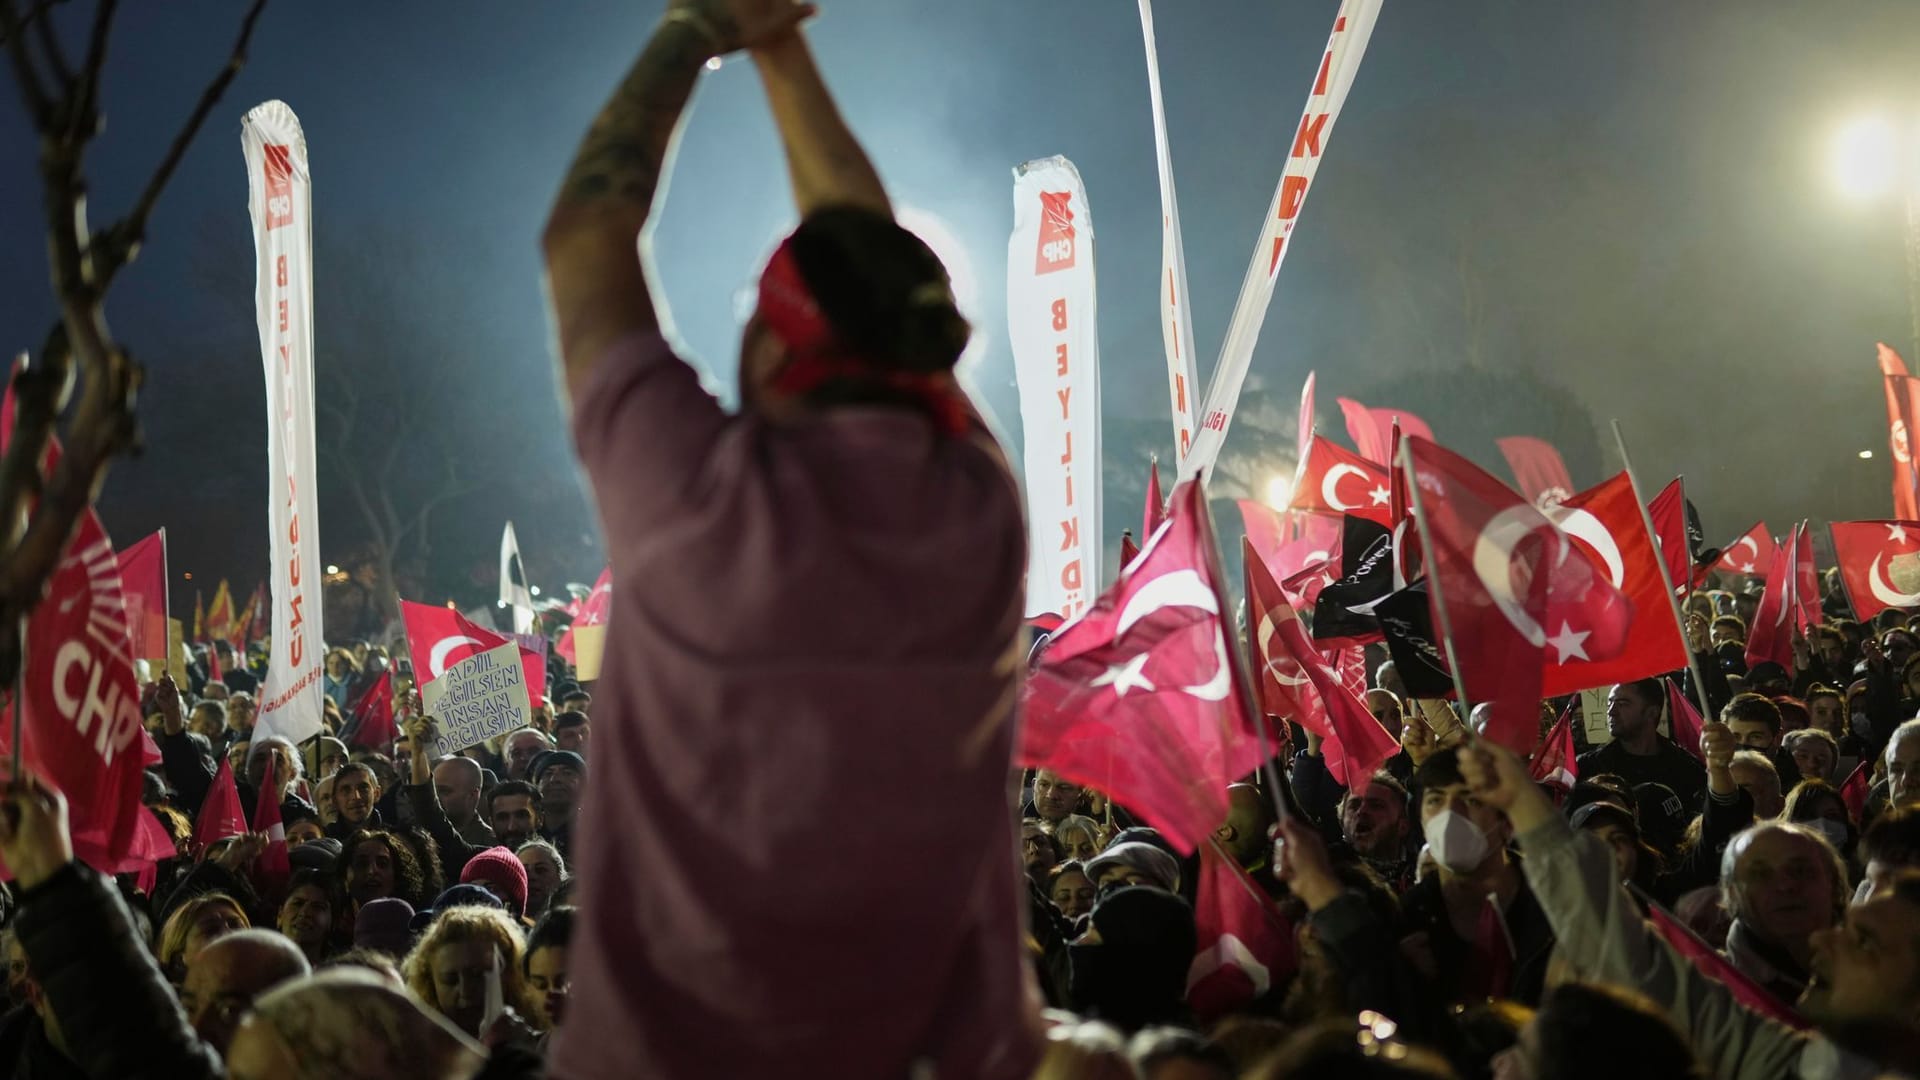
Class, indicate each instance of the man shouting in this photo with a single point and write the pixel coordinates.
(824, 586)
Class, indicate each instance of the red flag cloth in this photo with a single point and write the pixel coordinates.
(371, 722)
(1538, 470)
(1718, 968)
(1364, 428)
(1751, 554)
(1854, 792)
(1289, 543)
(1512, 588)
(143, 581)
(1298, 683)
(1604, 522)
(1770, 637)
(214, 671)
(1156, 511)
(262, 622)
(1129, 550)
(1890, 362)
(1305, 419)
(220, 614)
(1303, 589)
(1669, 513)
(1246, 947)
(1553, 763)
(1684, 721)
(151, 844)
(592, 612)
(272, 867)
(1866, 552)
(1139, 696)
(82, 727)
(220, 815)
(1806, 583)
(1903, 408)
(440, 637)
(1334, 481)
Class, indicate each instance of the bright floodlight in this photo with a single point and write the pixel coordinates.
(1279, 492)
(1866, 455)
(1866, 157)
(332, 569)
(534, 589)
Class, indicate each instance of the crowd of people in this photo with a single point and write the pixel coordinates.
(802, 850)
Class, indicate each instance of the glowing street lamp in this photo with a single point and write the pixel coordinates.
(1872, 157)
(1279, 492)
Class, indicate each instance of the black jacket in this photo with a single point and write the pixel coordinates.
(27, 1054)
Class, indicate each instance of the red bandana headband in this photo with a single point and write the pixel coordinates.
(817, 356)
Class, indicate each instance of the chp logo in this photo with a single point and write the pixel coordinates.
(1056, 233)
(277, 164)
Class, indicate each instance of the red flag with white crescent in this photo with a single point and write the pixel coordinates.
(272, 867)
(371, 717)
(1337, 481)
(1553, 763)
(1140, 695)
(1604, 522)
(1669, 513)
(1854, 792)
(1869, 554)
(1246, 946)
(1752, 554)
(440, 637)
(1770, 637)
(591, 612)
(1903, 411)
(1538, 470)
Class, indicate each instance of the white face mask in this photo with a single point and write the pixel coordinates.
(1834, 831)
(1457, 843)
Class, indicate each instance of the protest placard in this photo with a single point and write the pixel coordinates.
(478, 698)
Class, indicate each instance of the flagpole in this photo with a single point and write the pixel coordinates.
(1433, 582)
(1666, 576)
(19, 706)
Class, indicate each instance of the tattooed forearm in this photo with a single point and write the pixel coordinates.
(621, 159)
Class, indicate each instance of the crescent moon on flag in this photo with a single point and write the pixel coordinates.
(1748, 541)
(1330, 486)
(1182, 588)
(1266, 649)
(1400, 553)
(1493, 564)
(1227, 952)
(1882, 587)
(1582, 524)
(437, 658)
(1216, 688)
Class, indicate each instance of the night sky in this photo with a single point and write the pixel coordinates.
(1629, 200)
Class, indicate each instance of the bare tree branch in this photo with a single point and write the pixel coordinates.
(13, 26)
(50, 43)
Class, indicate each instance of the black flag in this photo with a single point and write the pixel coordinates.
(1407, 621)
(1343, 614)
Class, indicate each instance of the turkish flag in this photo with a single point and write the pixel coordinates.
(214, 672)
(1513, 590)
(1604, 522)
(271, 867)
(593, 612)
(1246, 947)
(1129, 550)
(1140, 696)
(440, 637)
(1718, 968)
(1903, 407)
(1301, 684)
(371, 722)
(1289, 543)
(1371, 429)
(220, 815)
(1538, 470)
(1751, 554)
(1669, 513)
(1770, 637)
(1806, 584)
(1303, 589)
(1869, 554)
(1334, 481)
(143, 583)
(1553, 762)
(1406, 618)
(1854, 792)
(1684, 720)
(1156, 511)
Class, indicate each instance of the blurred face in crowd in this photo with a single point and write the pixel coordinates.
(1753, 734)
(1460, 799)
(512, 819)
(354, 793)
(1073, 894)
(207, 720)
(1899, 647)
(458, 788)
(323, 801)
(547, 975)
(1813, 758)
(237, 757)
(331, 761)
(282, 766)
(304, 831)
(306, 917)
(1786, 886)
(1624, 845)
(1868, 968)
(1386, 709)
(521, 748)
(1375, 822)
(214, 921)
(1037, 852)
(215, 691)
(371, 874)
(1076, 843)
(579, 701)
(573, 738)
(1828, 714)
(1762, 784)
(543, 877)
(1627, 716)
(240, 713)
(1053, 797)
(1725, 633)
(1831, 648)
(560, 786)
(461, 972)
(1903, 770)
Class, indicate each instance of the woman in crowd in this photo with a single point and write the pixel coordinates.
(469, 963)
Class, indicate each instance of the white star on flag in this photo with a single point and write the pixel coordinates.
(1897, 532)
(1746, 568)
(1124, 677)
(1381, 496)
(1571, 643)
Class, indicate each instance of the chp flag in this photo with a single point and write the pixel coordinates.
(1053, 330)
(1333, 77)
(1880, 564)
(281, 206)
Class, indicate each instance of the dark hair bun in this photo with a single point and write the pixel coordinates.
(885, 292)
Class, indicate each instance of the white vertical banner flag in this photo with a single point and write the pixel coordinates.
(1352, 27)
(513, 583)
(281, 205)
(1052, 326)
(1176, 324)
